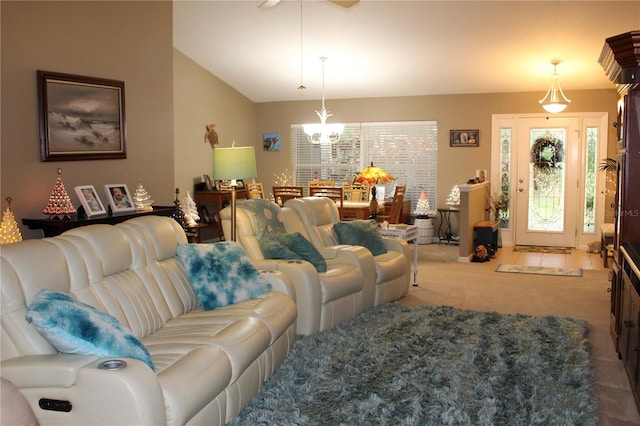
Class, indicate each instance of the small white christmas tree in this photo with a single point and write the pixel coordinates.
(190, 211)
(423, 208)
(141, 198)
(454, 196)
(9, 231)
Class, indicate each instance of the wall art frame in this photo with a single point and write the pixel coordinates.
(90, 200)
(81, 118)
(469, 138)
(119, 198)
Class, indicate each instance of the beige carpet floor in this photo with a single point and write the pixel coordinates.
(444, 281)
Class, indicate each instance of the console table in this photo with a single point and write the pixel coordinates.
(53, 227)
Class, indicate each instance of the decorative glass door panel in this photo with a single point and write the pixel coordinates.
(547, 181)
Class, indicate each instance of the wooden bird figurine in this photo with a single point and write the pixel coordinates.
(211, 136)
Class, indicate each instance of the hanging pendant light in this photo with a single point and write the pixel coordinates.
(323, 133)
(554, 101)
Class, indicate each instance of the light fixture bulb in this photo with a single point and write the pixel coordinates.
(323, 133)
(554, 101)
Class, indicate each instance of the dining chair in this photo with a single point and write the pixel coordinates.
(255, 190)
(396, 206)
(333, 192)
(283, 193)
(356, 191)
(313, 183)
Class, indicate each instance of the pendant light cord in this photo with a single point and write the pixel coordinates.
(301, 87)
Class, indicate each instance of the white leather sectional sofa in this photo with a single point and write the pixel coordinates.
(209, 364)
(355, 280)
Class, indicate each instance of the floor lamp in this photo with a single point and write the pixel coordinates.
(231, 164)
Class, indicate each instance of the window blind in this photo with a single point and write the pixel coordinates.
(408, 150)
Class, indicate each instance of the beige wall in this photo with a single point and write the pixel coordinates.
(128, 41)
(455, 165)
(170, 99)
(201, 98)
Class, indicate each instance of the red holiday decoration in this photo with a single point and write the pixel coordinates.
(59, 205)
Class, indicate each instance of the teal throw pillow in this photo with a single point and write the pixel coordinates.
(363, 233)
(299, 244)
(221, 273)
(272, 248)
(77, 328)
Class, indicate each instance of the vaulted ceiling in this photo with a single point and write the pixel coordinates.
(400, 48)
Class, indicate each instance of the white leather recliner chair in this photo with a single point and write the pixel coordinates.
(393, 269)
(324, 299)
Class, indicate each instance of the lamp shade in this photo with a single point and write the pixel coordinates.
(373, 175)
(234, 163)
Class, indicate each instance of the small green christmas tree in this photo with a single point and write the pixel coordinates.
(178, 214)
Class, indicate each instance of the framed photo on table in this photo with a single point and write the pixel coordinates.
(119, 197)
(90, 200)
(464, 138)
(81, 118)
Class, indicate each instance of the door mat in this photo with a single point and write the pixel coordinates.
(543, 249)
(540, 270)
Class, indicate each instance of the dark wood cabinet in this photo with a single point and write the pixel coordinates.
(209, 205)
(629, 332)
(620, 58)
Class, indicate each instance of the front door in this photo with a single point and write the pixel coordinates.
(546, 184)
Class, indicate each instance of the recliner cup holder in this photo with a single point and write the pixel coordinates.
(112, 364)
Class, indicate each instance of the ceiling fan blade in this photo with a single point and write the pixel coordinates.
(268, 3)
(344, 3)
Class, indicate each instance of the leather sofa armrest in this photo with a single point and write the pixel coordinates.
(130, 395)
(362, 259)
(398, 244)
(279, 281)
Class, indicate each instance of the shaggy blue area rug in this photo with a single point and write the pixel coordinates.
(434, 365)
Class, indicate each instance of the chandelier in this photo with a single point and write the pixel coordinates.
(323, 132)
(554, 101)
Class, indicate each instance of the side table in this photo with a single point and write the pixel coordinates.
(445, 232)
(408, 233)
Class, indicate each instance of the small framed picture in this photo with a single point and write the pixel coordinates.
(240, 183)
(208, 183)
(90, 200)
(119, 198)
(464, 138)
(203, 212)
(271, 141)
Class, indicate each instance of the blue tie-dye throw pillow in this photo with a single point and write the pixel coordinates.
(221, 273)
(77, 328)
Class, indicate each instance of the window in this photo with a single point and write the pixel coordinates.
(407, 150)
(590, 177)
